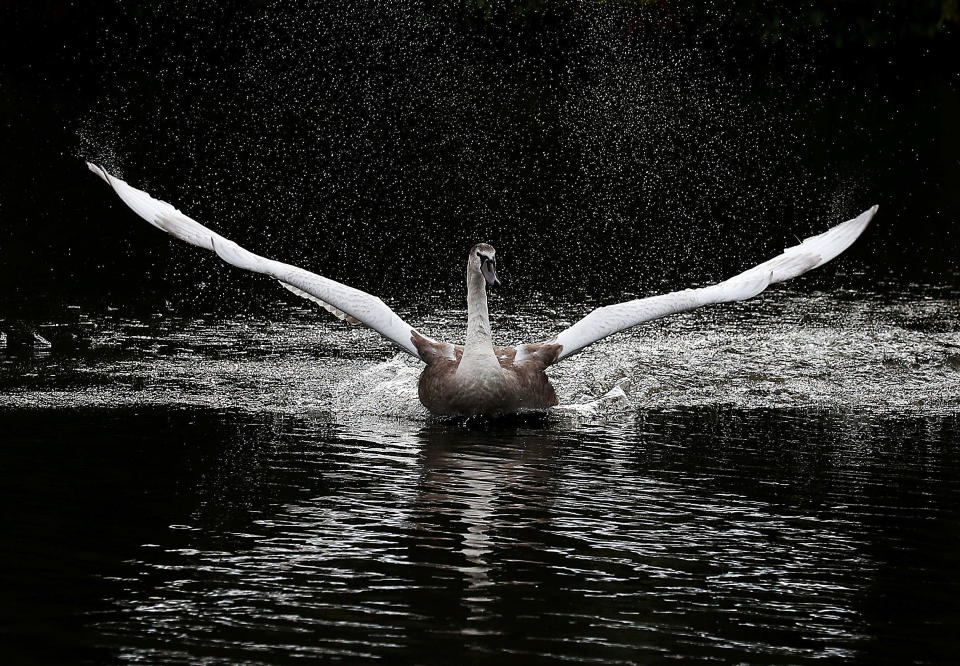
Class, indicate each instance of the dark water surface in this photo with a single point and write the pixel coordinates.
(779, 482)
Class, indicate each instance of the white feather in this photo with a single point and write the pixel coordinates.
(343, 301)
(811, 253)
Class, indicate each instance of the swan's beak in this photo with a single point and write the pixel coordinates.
(489, 270)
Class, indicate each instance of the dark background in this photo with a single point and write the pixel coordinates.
(603, 148)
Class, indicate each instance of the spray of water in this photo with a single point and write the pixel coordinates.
(344, 135)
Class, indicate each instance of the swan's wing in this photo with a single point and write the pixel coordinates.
(345, 302)
(812, 252)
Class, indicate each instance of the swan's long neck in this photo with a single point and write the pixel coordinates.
(479, 370)
(479, 363)
(478, 318)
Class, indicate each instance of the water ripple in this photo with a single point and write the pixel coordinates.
(765, 489)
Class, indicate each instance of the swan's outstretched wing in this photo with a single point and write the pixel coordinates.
(812, 252)
(345, 302)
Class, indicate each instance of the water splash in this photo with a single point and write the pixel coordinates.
(893, 352)
(316, 132)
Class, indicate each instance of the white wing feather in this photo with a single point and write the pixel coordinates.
(345, 302)
(812, 252)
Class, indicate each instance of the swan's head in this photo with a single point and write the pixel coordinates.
(483, 258)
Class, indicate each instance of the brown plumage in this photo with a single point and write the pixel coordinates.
(477, 377)
(517, 386)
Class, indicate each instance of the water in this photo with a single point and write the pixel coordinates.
(893, 348)
(778, 483)
(771, 481)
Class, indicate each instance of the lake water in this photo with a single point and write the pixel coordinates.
(778, 482)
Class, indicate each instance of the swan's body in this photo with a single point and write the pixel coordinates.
(478, 377)
(509, 379)
(451, 386)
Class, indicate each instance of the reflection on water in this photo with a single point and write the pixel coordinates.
(187, 491)
(763, 535)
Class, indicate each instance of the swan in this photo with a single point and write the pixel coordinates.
(479, 377)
